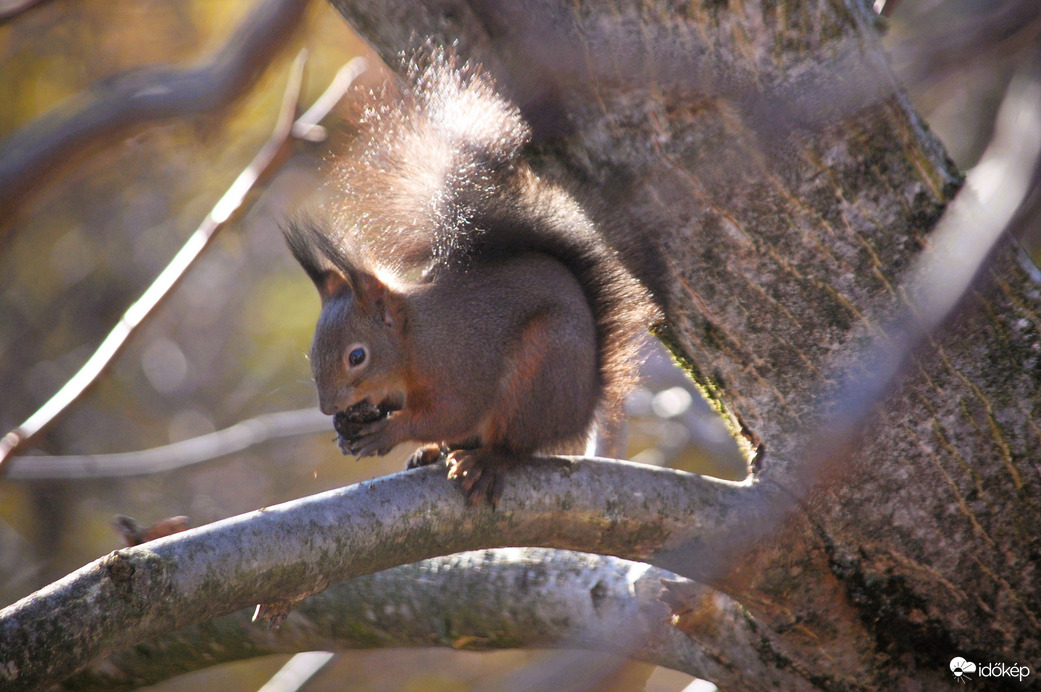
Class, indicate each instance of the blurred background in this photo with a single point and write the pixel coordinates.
(230, 344)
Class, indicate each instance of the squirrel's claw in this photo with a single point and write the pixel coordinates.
(375, 439)
(480, 473)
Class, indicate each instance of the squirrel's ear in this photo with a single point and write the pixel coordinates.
(329, 283)
(372, 295)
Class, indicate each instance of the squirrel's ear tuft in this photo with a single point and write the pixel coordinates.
(328, 266)
(304, 240)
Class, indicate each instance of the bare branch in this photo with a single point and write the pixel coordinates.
(885, 7)
(242, 435)
(941, 49)
(144, 96)
(297, 671)
(266, 160)
(557, 599)
(306, 126)
(288, 551)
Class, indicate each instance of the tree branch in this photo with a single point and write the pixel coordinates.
(242, 435)
(293, 550)
(9, 9)
(487, 600)
(297, 671)
(266, 160)
(144, 96)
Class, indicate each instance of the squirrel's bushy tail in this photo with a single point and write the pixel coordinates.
(430, 153)
(436, 179)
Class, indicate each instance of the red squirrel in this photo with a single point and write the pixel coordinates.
(468, 303)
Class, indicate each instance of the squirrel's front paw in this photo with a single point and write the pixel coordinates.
(375, 438)
(350, 422)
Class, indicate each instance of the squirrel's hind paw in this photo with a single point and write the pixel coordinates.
(480, 472)
(424, 456)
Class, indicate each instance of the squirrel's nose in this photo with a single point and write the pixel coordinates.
(331, 402)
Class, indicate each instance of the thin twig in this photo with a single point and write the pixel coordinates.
(236, 438)
(306, 126)
(266, 159)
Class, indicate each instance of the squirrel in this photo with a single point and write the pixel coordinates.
(467, 303)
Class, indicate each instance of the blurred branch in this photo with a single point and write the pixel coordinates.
(282, 553)
(885, 7)
(143, 96)
(1000, 30)
(266, 160)
(242, 435)
(9, 9)
(558, 599)
(296, 672)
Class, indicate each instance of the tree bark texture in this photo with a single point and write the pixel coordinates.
(509, 598)
(769, 180)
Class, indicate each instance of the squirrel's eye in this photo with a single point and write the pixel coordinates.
(356, 357)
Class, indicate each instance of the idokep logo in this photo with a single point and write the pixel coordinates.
(967, 670)
(962, 668)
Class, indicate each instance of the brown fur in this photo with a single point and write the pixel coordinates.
(492, 312)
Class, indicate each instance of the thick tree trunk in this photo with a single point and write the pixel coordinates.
(774, 186)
